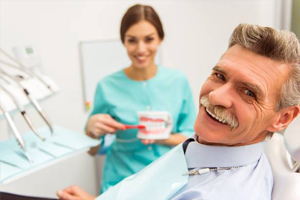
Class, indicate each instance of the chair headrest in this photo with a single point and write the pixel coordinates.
(292, 142)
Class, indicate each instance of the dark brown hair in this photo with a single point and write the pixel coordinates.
(137, 13)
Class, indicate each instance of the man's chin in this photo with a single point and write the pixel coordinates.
(204, 138)
(208, 137)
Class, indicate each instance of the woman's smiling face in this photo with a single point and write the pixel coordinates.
(141, 42)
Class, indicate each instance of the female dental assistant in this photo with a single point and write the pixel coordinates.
(141, 86)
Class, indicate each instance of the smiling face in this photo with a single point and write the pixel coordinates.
(238, 100)
(141, 42)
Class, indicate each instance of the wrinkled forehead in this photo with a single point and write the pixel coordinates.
(242, 65)
(240, 57)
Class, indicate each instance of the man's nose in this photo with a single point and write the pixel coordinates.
(222, 96)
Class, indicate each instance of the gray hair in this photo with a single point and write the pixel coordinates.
(282, 46)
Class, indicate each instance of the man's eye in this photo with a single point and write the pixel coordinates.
(220, 76)
(249, 93)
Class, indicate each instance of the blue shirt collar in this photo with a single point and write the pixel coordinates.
(202, 156)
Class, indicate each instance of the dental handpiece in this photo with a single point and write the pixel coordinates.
(32, 100)
(14, 129)
(22, 110)
(16, 133)
(39, 109)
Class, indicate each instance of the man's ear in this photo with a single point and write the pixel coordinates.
(286, 116)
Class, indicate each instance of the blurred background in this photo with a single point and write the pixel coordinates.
(196, 35)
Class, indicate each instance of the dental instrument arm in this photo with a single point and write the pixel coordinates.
(31, 99)
(24, 69)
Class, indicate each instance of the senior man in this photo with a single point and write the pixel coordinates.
(252, 92)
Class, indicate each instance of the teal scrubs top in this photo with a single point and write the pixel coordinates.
(122, 98)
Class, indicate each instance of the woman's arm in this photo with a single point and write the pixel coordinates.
(173, 140)
(101, 124)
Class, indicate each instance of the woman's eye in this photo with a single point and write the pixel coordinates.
(249, 93)
(131, 40)
(220, 76)
(149, 39)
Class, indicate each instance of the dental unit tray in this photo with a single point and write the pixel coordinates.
(63, 143)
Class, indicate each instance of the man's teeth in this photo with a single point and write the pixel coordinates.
(216, 117)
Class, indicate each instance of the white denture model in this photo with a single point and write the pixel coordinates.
(158, 125)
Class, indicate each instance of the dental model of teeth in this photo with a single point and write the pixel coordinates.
(158, 125)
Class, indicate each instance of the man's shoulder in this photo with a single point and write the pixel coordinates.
(251, 182)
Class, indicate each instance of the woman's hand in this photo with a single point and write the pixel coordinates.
(74, 193)
(146, 142)
(101, 124)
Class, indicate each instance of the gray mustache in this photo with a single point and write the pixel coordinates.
(220, 113)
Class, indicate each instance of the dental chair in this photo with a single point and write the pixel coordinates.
(283, 152)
